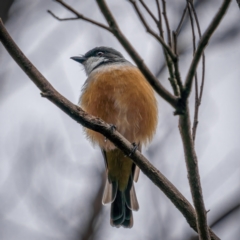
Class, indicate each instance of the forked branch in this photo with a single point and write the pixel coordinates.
(201, 46)
(78, 15)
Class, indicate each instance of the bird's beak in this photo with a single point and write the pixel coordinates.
(79, 59)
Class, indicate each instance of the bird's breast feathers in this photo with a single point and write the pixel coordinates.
(120, 95)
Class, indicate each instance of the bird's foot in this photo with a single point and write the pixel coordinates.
(113, 127)
(135, 147)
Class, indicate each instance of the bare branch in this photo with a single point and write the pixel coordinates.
(79, 16)
(149, 11)
(202, 44)
(135, 56)
(185, 126)
(62, 19)
(175, 35)
(177, 31)
(193, 175)
(203, 55)
(196, 108)
(166, 49)
(149, 30)
(96, 124)
(159, 19)
(197, 97)
(167, 23)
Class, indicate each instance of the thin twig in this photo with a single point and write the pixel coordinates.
(196, 107)
(203, 55)
(79, 16)
(198, 99)
(179, 27)
(178, 77)
(170, 66)
(201, 46)
(165, 48)
(203, 80)
(135, 56)
(96, 124)
(149, 30)
(193, 174)
(159, 19)
(175, 46)
(149, 11)
(62, 19)
(167, 23)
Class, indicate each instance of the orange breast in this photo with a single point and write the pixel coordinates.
(120, 95)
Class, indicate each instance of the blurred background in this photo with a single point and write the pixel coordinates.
(51, 178)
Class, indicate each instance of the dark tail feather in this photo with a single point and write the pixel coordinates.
(121, 215)
(122, 206)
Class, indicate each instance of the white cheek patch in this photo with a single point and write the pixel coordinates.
(92, 62)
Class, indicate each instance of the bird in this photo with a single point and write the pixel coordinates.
(117, 92)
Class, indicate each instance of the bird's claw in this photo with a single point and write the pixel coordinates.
(113, 127)
(135, 147)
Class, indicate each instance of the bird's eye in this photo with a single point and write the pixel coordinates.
(99, 54)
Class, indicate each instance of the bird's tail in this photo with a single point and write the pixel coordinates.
(119, 189)
(122, 203)
(122, 206)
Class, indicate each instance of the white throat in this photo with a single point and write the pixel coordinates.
(92, 62)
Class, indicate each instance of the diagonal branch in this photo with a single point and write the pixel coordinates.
(160, 19)
(196, 107)
(201, 46)
(62, 19)
(96, 124)
(149, 30)
(78, 16)
(149, 11)
(166, 49)
(167, 23)
(198, 98)
(177, 31)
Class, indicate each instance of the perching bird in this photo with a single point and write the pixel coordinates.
(118, 93)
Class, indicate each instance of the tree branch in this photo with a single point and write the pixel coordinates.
(96, 124)
(78, 16)
(160, 19)
(185, 129)
(62, 19)
(166, 49)
(202, 44)
(167, 23)
(193, 174)
(149, 30)
(196, 107)
(177, 31)
(149, 11)
(198, 98)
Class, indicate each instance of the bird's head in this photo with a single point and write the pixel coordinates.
(98, 57)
